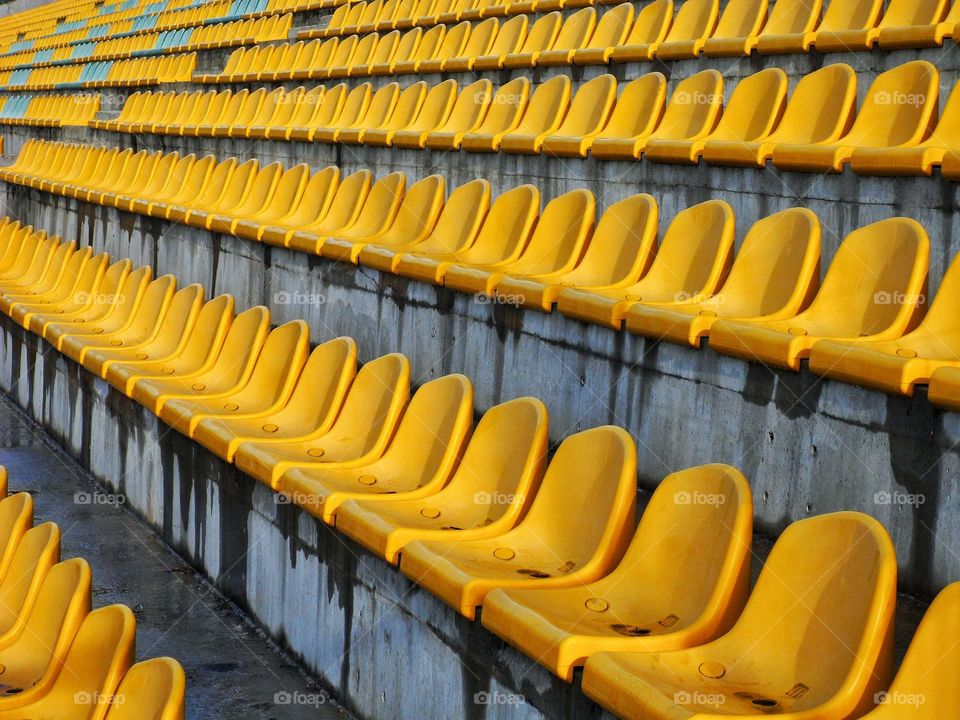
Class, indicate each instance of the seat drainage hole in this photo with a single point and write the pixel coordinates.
(629, 630)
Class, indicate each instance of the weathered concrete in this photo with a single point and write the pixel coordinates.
(233, 671)
(808, 445)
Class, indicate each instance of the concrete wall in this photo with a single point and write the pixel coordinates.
(808, 445)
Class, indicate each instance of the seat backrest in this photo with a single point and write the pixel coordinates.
(506, 107)
(755, 107)
(381, 106)
(470, 106)
(741, 18)
(695, 252)
(832, 90)
(37, 552)
(511, 36)
(506, 227)
(695, 19)
(777, 266)
(548, 102)
(613, 27)
(639, 108)
(576, 29)
(16, 517)
(819, 619)
(481, 38)
(436, 106)
(151, 690)
(543, 33)
(460, 219)
(561, 234)
(324, 382)
(876, 280)
(694, 107)
(901, 106)
(590, 107)
(850, 15)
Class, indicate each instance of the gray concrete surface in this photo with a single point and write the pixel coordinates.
(233, 669)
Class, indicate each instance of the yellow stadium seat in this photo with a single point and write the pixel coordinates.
(188, 181)
(100, 655)
(576, 530)
(457, 225)
(545, 112)
(265, 389)
(339, 109)
(149, 334)
(682, 582)
(619, 252)
(897, 365)
(502, 236)
(374, 216)
(412, 131)
(831, 89)
(490, 489)
(939, 25)
(315, 200)
(612, 30)
(330, 214)
(432, 42)
(358, 436)
(481, 41)
(467, 114)
(317, 103)
(234, 193)
(211, 376)
(389, 110)
(414, 220)
(362, 54)
(900, 111)
(694, 23)
(773, 277)
(201, 335)
(790, 27)
(313, 404)
(72, 294)
(872, 291)
(423, 453)
(851, 26)
(814, 640)
(510, 38)
(151, 690)
(574, 34)
(555, 246)
(755, 107)
(737, 29)
(639, 116)
(16, 518)
(692, 261)
(588, 115)
(941, 148)
(541, 36)
(33, 658)
(507, 107)
(255, 200)
(649, 29)
(35, 554)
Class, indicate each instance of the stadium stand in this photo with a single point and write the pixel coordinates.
(732, 220)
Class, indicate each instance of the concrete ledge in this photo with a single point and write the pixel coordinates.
(808, 445)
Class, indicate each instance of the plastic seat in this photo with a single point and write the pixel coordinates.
(482, 39)
(32, 658)
(359, 435)
(544, 114)
(897, 365)
(221, 373)
(431, 42)
(940, 24)
(266, 389)
(187, 343)
(75, 289)
(851, 26)
(755, 107)
(454, 44)
(737, 29)
(639, 117)
(900, 111)
(415, 217)
(151, 690)
(225, 196)
(694, 23)
(267, 181)
(773, 277)
(832, 90)
(374, 216)
(490, 489)
(502, 237)
(790, 27)
(330, 214)
(574, 34)
(592, 474)
(389, 110)
(693, 259)
(682, 582)
(313, 404)
(588, 114)
(36, 552)
(941, 148)
(619, 252)
(612, 30)
(468, 112)
(421, 457)
(814, 640)
(437, 107)
(100, 655)
(507, 107)
(555, 245)
(510, 38)
(541, 36)
(872, 291)
(457, 225)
